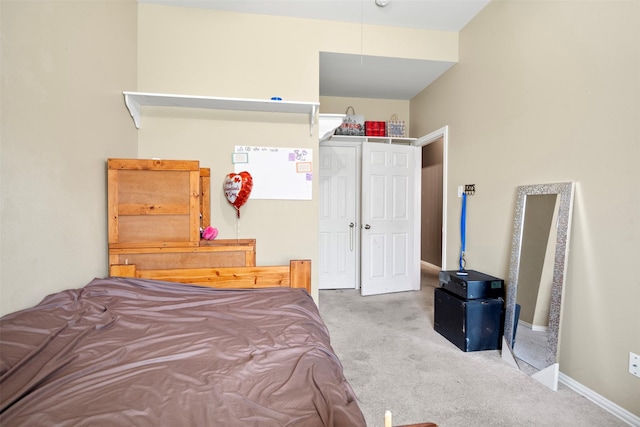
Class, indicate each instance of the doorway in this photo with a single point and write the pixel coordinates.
(433, 199)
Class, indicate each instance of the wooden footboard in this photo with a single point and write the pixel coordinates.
(296, 275)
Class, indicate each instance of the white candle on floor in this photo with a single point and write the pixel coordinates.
(387, 418)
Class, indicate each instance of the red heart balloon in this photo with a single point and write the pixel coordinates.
(237, 188)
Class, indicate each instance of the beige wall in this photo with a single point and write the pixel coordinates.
(64, 67)
(371, 109)
(549, 92)
(62, 115)
(212, 53)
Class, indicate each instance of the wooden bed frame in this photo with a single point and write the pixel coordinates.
(157, 209)
(295, 275)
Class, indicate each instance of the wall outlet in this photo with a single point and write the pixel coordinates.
(634, 364)
(460, 190)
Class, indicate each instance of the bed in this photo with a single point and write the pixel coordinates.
(129, 351)
(183, 331)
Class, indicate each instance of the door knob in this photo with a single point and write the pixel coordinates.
(352, 225)
(367, 226)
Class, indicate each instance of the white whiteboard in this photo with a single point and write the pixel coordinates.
(277, 172)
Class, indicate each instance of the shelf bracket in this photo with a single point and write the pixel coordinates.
(312, 118)
(134, 108)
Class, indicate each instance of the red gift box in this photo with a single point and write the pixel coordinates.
(372, 128)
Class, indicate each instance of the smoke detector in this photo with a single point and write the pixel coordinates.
(382, 3)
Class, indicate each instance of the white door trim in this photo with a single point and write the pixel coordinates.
(443, 133)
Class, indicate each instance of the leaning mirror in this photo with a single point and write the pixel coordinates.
(537, 272)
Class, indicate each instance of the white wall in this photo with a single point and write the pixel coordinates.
(549, 92)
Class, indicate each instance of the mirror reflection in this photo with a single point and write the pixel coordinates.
(535, 279)
(536, 276)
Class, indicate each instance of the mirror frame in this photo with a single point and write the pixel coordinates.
(566, 191)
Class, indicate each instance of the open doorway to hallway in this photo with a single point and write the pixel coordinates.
(433, 199)
(431, 202)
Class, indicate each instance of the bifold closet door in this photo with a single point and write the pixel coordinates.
(339, 228)
(390, 219)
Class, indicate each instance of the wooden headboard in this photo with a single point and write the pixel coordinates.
(156, 209)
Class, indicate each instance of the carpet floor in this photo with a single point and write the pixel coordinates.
(396, 361)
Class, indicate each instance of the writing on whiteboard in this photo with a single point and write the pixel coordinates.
(278, 172)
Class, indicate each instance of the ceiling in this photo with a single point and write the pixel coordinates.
(357, 75)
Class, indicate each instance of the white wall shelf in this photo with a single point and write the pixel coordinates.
(134, 100)
(379, 139)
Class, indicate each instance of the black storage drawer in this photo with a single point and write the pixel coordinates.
(471, 325)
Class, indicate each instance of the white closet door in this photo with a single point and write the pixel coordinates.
(339, 233)
(390, 218)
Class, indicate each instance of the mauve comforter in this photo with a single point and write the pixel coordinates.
(128, 352)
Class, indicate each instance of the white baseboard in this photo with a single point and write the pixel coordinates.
(534, 328)
(538, 328)
(604, 403)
